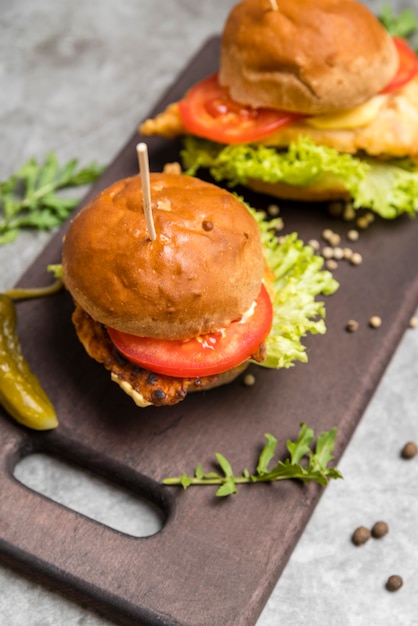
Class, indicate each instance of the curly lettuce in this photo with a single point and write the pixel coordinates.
(298, 278)
(389, 188)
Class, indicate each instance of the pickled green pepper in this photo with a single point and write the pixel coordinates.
(21, 393)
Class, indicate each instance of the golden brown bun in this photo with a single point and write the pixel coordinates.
(310, 56)
(202, 271)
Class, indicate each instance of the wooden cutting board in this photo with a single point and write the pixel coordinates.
(216, 560)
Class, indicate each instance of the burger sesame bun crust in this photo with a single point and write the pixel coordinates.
(310, 56)
(203, 270)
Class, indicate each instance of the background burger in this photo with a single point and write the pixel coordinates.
(314, 100)
(191, 308)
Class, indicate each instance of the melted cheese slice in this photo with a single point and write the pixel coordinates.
(357, 117)
(393, 130)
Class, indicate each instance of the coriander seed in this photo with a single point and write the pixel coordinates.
(379, 530)
(356, 258)
(327, 252)
(360, 536)
(352, 326)
(327, 234)
(249, 380)
(413, 322)
(394, 583)
(349, 212)
(172, 168)
(353, 235)
(362, 222)
(331, 264)
(314, 243)
(273, 210)
(335, 239)
(375, 321)
(409, 450)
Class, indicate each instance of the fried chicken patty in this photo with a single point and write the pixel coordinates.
(145, 387)
(393, 132)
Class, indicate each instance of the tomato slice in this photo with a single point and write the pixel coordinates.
(408, 66)
(208, 111)
(205, 355)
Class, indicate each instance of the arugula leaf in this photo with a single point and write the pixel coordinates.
(300, 447)
(404, 24)
(324, 449)
(266, 454)
(316, 469)
(29, 199)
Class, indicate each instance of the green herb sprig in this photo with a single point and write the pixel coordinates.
(29, 199)
(403, 24)
(304, 464)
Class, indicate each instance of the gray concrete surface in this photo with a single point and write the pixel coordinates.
(77, 77)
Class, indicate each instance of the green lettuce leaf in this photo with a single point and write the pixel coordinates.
(389, 188)
(298, 279)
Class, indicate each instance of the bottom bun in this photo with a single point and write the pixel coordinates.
(327, 189)
(226, 377)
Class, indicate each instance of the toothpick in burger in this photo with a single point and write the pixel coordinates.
(314, 100)
(189, 309)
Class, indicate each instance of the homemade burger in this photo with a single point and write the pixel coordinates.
(191, 308)
(314, 100)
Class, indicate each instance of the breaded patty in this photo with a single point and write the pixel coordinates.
(393, 132)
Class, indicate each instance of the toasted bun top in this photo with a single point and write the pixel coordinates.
(309, 56)
(203, 270)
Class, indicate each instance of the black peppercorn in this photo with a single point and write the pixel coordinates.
(360, 536)
(352, 326)
(394, 583)
(380, 529)
(409, 450)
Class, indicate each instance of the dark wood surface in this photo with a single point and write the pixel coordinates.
(216, 560)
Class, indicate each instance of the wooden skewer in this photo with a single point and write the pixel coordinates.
(142, 152)
(274, 5)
